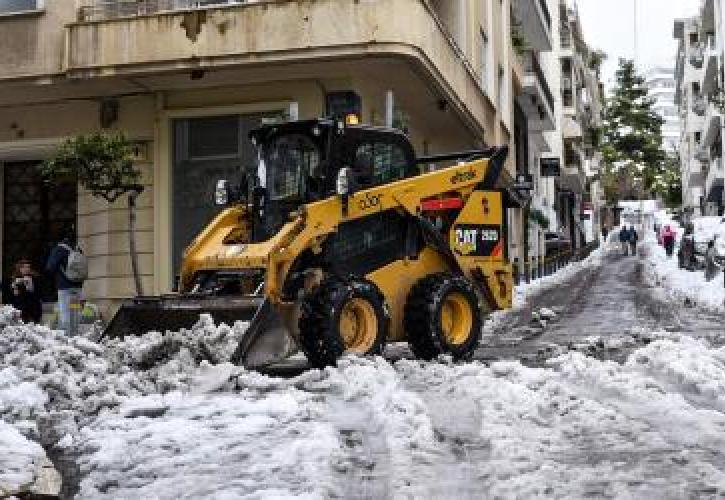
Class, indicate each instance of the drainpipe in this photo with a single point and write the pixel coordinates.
(389, 107)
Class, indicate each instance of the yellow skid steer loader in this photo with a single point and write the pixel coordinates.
(335, 242)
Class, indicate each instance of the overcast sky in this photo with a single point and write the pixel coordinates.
(609, 25)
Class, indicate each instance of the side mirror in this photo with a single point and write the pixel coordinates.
(343, 181)
(221, 193)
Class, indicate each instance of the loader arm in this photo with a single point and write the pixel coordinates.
(318, 220)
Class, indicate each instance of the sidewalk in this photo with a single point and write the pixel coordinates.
(689, 287)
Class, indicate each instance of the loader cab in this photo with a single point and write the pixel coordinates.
(299, 162)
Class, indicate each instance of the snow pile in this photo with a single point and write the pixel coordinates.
(165, 416)
(680, 284)
(20, 460)
(652, 427)
(65, 382)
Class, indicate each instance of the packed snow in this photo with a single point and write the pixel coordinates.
(166, 416)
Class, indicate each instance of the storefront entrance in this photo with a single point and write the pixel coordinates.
(34, 217)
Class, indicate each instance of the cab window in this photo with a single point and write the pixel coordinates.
(377, 163)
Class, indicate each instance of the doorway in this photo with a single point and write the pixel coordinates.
(35, 215)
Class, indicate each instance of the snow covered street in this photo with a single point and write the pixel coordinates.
(600, 384)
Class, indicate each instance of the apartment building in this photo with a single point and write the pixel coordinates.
(698, 76)
(661, 84)
(578, 199)
(534, 114)
(186, 80)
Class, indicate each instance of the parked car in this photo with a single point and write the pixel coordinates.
(705, 230)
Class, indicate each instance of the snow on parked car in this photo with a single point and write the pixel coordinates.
(704, 229)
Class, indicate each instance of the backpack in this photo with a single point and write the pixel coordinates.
(76, 268)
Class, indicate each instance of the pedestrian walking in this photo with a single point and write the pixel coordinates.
(605, 233)
(668, 240)
(686, 255)
(633, 238)
(624, 240)
(25, 295)
(70, 268)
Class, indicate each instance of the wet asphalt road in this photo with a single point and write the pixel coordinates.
(599, 305)
(612, 300)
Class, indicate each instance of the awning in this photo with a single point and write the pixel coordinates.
(570, 128)
(512, 197)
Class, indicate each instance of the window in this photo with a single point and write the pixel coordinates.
(501, 90)
(484, 61)
(379, 162)
(289, 161)
(12, 6)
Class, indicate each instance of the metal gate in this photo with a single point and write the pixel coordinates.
(34, 217)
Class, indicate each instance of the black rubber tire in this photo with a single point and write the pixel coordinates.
(422, 321)
(320, 337)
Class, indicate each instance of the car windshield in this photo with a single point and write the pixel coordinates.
(285, 164)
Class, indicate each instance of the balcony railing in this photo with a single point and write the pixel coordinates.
(696, 56)
(545, 11)
(699, 106)
(565, 38)
(115, 9)
(531, 65)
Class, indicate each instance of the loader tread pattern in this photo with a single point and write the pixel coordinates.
(421, 319)
(320, 338)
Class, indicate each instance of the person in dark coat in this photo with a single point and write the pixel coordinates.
(711, 265)
(633, 239)
(624, 240)
(68, 291)
(26, 292)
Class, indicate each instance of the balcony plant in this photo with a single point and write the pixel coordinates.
(596, 59)
(518, 41)
(103, 165)
(539, 217)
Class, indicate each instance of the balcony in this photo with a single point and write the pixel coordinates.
(707, 15)
(537, 99)
(711, 125)
(565, 38)
(535, 22)
(571, 129)
(699, 105)
(696, 56)
(694, 174)
(709, 74)
(284, 37)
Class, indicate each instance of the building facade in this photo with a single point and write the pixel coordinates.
(698, 92)
(534, 116)
(578, 197)
(186, 81)
(661, 84)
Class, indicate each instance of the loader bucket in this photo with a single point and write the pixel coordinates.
(265, 341)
